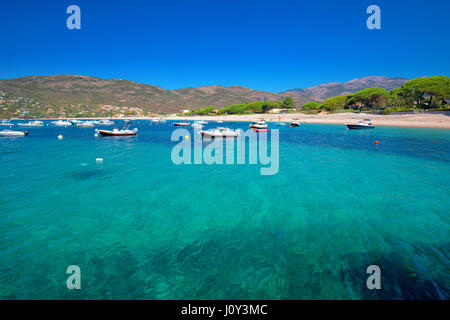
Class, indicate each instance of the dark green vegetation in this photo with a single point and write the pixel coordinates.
(417, 94)
(248, 107)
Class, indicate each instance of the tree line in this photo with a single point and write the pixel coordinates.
(420, 93)
(247, 108)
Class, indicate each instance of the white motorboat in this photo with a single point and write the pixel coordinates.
(117, 132)
(294, 123)
(6, 123)
(259, 125)
(197, 125)
(202, 122)
(364, 124)
(62, 123)
(74, 122)
(220, 132)
(31, 124)
(11, 133)
(103, 122)
(85, 124)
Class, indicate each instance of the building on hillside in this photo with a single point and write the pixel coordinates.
(278, 111)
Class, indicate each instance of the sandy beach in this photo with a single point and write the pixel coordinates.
(423, 120)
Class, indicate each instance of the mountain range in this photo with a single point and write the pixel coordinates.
(61, 90)
(332, 89)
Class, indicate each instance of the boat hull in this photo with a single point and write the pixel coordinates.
(13, 133)
(115, 134)
(213, 134)
(260, 130)
(357, 126)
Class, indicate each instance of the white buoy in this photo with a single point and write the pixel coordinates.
(96, 135)
(60, 137)
(99, 160)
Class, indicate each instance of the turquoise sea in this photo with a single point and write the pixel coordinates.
(141, 227)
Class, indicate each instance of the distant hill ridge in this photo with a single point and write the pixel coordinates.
(61, 90)
(332, 89)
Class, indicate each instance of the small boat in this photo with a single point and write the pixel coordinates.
(260, 130)
(219, 121)
(85, 124)
(259, 125)
(294, 123)
(6, 123)
(32, 124)
(181, 124)
(103, 122)
(220, 132)
(62, 123)
(197, 125)
(74, 122)
(156, 120)
(280, 124)
(11, 133)
(364, 124)
(202, 122)
(117, 132)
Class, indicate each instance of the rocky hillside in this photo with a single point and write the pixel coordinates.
(63, 90)
(71, 95)
(332, 89)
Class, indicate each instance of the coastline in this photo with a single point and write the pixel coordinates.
(418, 120)
(439, 120)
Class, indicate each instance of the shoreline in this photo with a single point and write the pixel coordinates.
(439, 120)
(416, 120)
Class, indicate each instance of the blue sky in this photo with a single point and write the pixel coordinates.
(265, 45)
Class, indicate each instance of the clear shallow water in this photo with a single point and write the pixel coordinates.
(141, 227)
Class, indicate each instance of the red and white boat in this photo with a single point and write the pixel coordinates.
(260, 130)
(181, 124)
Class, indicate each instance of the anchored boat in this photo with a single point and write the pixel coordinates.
(85, 124)
(62, 123)
(294, 123)
(259, 125)
(364, 124)
(181, 124)
(103, 122)
(117, 132)
(6, 123)
(220, 132)
(197, 125)
(31, 124)
(11, 133)
(260, 130)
